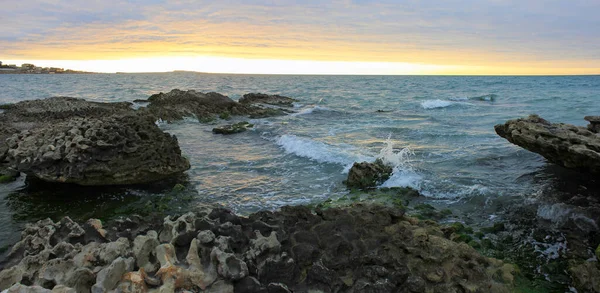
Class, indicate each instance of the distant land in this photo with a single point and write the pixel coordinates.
(28, 68)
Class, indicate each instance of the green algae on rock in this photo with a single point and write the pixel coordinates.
(367, 175)
(232, 128)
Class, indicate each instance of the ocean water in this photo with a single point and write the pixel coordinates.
(436, 130)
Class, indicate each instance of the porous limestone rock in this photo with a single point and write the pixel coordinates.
(70, 140)
(359, 248)
(563, 144)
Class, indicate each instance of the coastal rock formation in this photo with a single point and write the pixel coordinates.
(232, 128)
(594, 125)
(276, 100)
(177, 104)
(563, 144)
(75, 141)
(360, 248)
(367, 175)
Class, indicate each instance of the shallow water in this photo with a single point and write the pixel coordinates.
(455, 158)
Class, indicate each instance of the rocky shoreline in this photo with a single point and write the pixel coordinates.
(69, 140)
(346, 246)
(358, 248)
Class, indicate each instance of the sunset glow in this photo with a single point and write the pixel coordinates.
(284, 37)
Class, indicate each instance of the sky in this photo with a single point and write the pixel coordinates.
(305, 37)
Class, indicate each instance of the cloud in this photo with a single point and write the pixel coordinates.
(471, 32)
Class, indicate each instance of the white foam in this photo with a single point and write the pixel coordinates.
(403, 174)
(434, 104)
(310, 110)
(321, 152)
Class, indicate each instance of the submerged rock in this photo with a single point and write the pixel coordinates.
(359, 248)
(277, 100)
(71, 140)
(232, 128)
(563, 144)
(367, 175)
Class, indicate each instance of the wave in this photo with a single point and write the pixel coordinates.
(321, 152)
(403, 174)
(484, 98)
(310, 110)
(434, 104)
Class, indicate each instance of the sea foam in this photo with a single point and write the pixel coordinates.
(320, 152)
(433, 104)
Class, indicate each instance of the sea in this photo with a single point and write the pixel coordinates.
(438, 131)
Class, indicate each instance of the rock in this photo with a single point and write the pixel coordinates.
(277, 100)
(108, 277)
(586, 277)
(220, 286)
(566, 145)
(206, 237)
(180, 231)
(144, 250)
(177, 104)
(232, 128)
(229, 266)
(113, 150)
(594, 125)
(367, 175)
(358, 248)
(9, 277)
(19, 288)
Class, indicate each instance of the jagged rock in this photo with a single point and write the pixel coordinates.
(586, 276)
(360, 248)
(563, 144)
(10, 276)
(367, 175)
(206, 237)
(19, 288)
(229, 266)
(82, 280)
(126, 149)
(232, 128)
(180, 231)
(177, 104)
(594, 125)
(144, 250)
(249, 285)
(277, 100)
(220, 286)
(109, 277)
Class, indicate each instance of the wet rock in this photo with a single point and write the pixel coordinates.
(367, 175)
(249, 285)
(586, 277)
(277, 100)
(563, 144)
(232, 128)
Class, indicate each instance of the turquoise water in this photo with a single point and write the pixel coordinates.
(443, 125)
